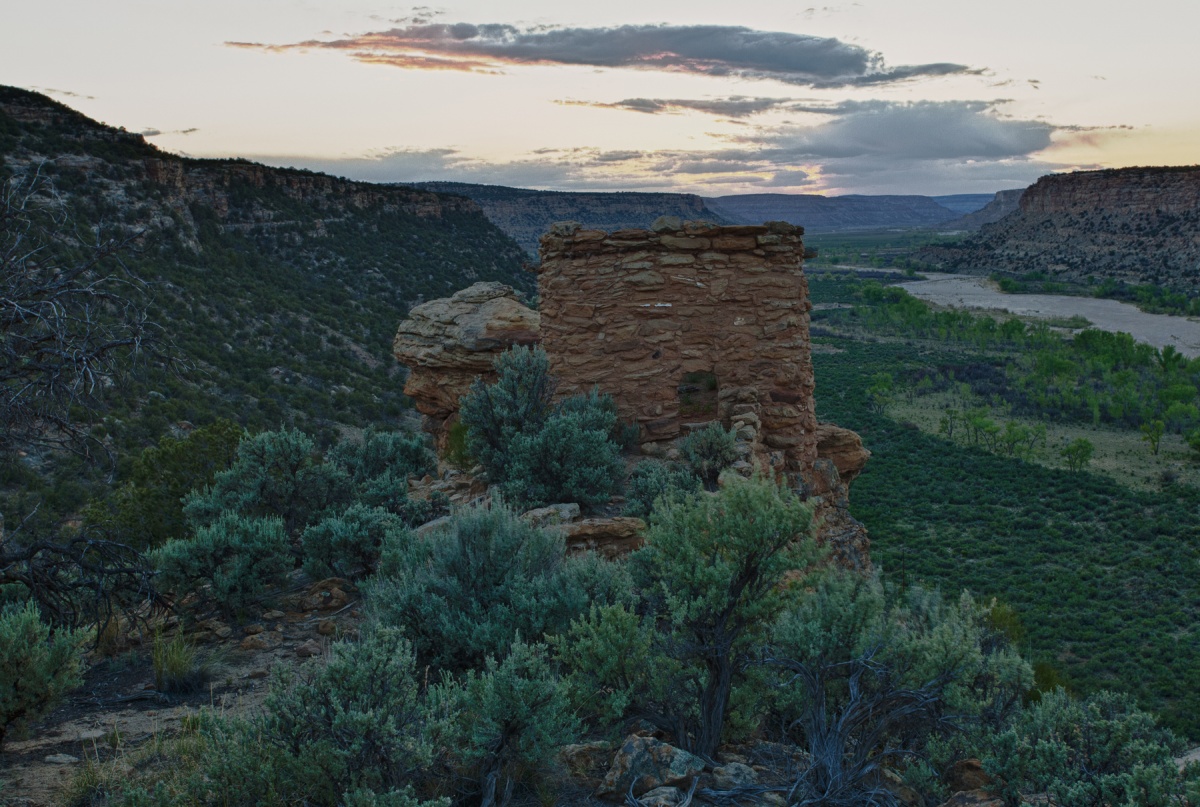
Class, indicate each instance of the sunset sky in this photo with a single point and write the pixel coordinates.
(912, 96)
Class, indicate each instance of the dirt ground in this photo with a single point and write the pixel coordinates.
(118, 708)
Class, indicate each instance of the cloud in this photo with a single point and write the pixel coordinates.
(64, 93)
(734, 106)
(712, 50)
(855, 147)
(152, 132)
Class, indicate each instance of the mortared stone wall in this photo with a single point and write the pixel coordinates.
(634, 311)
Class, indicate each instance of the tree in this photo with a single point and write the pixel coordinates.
(70, 312)
(1078, 453)
(517, 403)
(1152, 434)
(36, 668)
(710, 578)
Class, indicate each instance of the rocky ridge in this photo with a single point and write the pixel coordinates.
(1135, 225)
(828, 214)
(525, 214)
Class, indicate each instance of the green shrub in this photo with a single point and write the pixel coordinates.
(275, 474)
(380, 464)
(517, 403)
(1091, 753)
(709, 451)
(709, 580)
(469, 590)
(457, 453)
(349, 544)
(179, 666)
(572, 458)
(651, 481)
(508, 720)
(235, 557)
(37, 667)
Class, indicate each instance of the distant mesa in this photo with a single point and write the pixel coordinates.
(831, 214)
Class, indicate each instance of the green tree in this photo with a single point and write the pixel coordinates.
(881, 392)
(37, 667)
(710, 578)
(1152, 434)
(350, 543)
(571, 458)
(709, 451)
(1078, 453)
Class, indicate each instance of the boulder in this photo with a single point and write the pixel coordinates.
(663, 797)
(966, 774)
(733, 774)
(644, 764)
(843, 448)
(552, 515)
(446, 343)
(607, 537)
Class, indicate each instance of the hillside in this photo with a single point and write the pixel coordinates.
(964, 203)
(526, 214)
(828, 214)
(999, 206)
(282, 288)
(1134, 225)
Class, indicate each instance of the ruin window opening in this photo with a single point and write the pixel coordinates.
(698, 396)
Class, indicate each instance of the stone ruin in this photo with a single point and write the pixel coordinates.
(683, 324)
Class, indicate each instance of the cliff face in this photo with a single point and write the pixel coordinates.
(1137, 225)
(1001, 205)
(827, 214)
(283, 285)
(525, 214)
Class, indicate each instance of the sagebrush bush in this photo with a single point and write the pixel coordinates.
(517, 403)
(709, 451)
(379, 465)
(275, 474)
(469, 590)
(651, 481)
(236, 557)
(508, 720)
(568, 459)
(1091, 753)
(37, 667)
(349, 544)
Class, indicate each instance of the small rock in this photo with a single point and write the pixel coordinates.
(256, 674)
(271, 616)
(223, 632)
(966, 774)
(973, 798)
(645, 764)
(256, 642)
(326, 627)
(309, 649)
(662, 797)
(251, 630)
(667, 224)
(731, 775)
(552, 514)
(61, 759)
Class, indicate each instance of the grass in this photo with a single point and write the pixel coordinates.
(180, 667)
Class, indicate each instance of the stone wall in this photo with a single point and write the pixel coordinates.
(634, 311)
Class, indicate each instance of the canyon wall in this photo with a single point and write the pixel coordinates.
(1134, 225)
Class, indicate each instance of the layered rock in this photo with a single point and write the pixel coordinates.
(447, 343)
(1003, 204)
(1135, 225)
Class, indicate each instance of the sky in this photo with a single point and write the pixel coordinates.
(745, 96)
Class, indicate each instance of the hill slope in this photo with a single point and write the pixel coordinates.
(283, 287)
(1136, 225)
(526, 214)
(829, 214)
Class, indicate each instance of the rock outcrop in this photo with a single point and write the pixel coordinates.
(1004, 203)
(1135, 225)
(447, 343)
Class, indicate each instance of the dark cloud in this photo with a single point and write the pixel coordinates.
(64, 93)
(735, 106)
(713, 50)
(152, 132)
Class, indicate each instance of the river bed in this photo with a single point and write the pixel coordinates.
(979, 293)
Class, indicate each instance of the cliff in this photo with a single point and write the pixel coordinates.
(1136, 225)
(827, 214)
(525, 214)
(281, 287)
(1001, 205)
